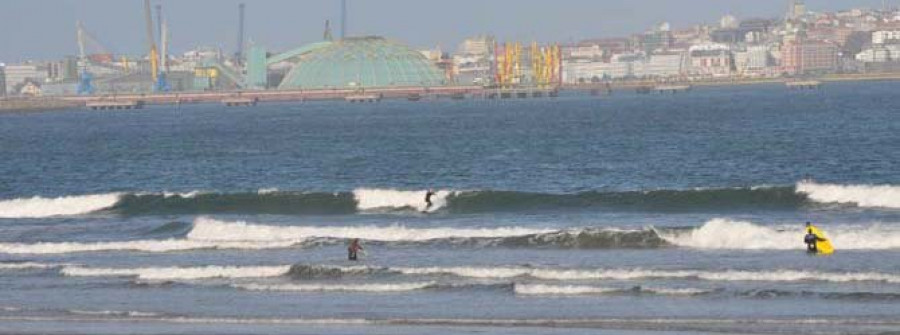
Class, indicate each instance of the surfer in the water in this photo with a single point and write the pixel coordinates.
(353, 249)
(810, 239)
(428, 196)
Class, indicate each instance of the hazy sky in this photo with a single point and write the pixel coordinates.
(44, 29)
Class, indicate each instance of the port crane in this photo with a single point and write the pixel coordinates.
(158, 76)
(85, 82)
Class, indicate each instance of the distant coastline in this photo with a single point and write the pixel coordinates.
(59, 103)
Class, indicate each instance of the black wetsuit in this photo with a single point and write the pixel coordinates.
(352, 250)
(810, 240)
(428, 199)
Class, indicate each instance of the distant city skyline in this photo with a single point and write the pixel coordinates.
(45, 29)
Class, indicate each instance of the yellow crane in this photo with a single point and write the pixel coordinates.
(154, 54)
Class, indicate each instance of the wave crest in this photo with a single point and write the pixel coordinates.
(883, 196)
(738, 235)
(39, 207)
(362, 287)
(179, 273)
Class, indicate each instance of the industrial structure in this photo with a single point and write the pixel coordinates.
(799, 43)
(362, 62)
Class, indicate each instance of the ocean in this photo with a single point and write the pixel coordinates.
(626, 214)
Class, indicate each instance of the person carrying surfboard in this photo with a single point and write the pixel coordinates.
(816, 242)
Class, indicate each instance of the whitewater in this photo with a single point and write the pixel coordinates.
(543, 273)
(725, 234)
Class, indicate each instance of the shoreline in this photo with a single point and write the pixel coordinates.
(66, 102)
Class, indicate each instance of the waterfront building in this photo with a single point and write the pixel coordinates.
(583, 71)
(880, 54)
(18, 75)
(711, 60)
(361, 62)
(660, 65)
(472, 63)
(625, 66)
(802, 56)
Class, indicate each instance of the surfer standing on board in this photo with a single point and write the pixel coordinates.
(428, 196)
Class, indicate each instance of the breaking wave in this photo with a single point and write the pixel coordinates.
(208, 233)
(362, 287)
(730, 234)
(884, 196)
(39, 207)
(324, 272)
(169, 245)
(375, 199)
(570, 290)
(636, 274)
(856, 296)
(26, 266)
(214, 230)
(365, 200)
(179, 273)
(274, 201)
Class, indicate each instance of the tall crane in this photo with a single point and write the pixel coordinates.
(239, 54)
(85, 87)
(159, 78)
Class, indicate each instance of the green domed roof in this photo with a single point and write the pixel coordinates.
(363, 62)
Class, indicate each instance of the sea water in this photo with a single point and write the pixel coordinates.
(576, 215)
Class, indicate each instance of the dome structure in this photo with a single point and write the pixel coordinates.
(362, 62)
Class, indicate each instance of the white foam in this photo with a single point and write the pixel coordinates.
(371, 288)
(675, 291)
(26, 266)
(731, 234)
(113, 313)
(185, 195)
(180, 273)
(207, 229)
(540, 289)
(40, 207)
(144, 246)
(636, 274)
(371, 199)
(269, 190)
(884, 196)
(543, 289)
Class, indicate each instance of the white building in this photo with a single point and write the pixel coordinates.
(17, 75)
(660, 65)
(625, 66)
(591, 52)
(880, 54)
(758, 57)
(885, 36)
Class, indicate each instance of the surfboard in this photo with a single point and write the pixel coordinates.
(824, 247)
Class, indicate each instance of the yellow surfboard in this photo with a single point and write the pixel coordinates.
(824, 247)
